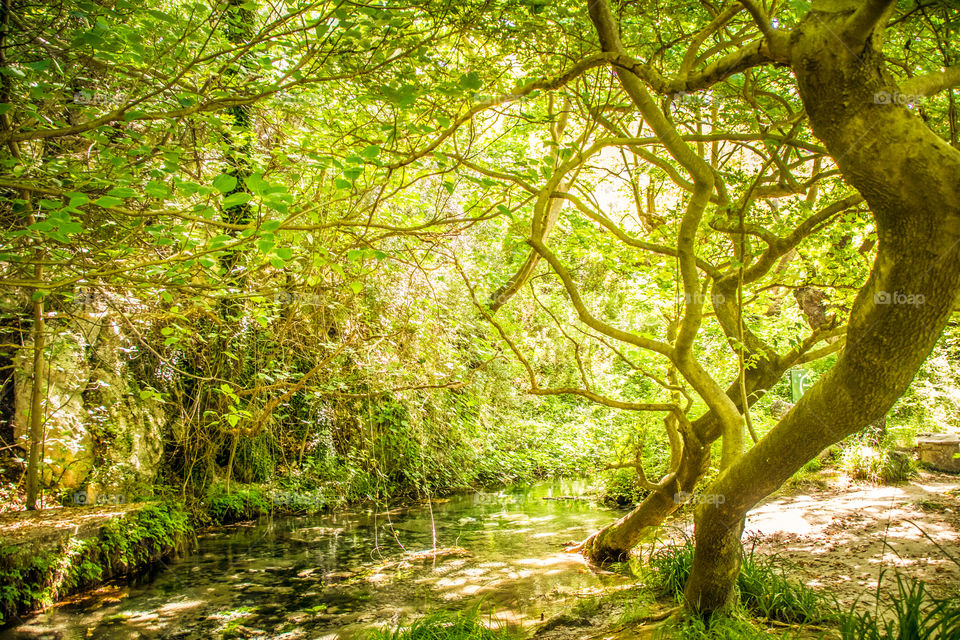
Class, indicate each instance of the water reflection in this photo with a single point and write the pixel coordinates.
(335, 575)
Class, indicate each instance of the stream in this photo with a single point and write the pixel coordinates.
(336, 575)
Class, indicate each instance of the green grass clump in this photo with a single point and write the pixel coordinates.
(446, 625)
(912, 615)
(879, 465)
(764, 589)
(717, 628)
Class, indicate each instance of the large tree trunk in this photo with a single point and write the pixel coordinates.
(911, 180)
(614, 542)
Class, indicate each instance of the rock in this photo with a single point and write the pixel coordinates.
(780, 407)
(95, 414)
(939, 451)
(65, 374)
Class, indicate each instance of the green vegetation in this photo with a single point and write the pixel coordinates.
(763, 587)
(34, 574)
(445, 625)
(911, 614)
(288, 256)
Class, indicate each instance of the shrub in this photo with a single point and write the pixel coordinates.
(242, 502)
(763, 586)
(864, 462)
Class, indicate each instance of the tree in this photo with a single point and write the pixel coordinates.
(910, 178)
(904, 171)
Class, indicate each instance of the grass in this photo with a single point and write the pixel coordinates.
(586, 608)
(880, 465)
(764, 588)
(719, 628)
(447, 625)
(913, 614)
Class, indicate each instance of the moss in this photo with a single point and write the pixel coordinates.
(37, 575)
(243, 502)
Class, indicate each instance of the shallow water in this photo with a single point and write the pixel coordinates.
(335, 575)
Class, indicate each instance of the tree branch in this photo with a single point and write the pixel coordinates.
(863, 22)
(932, 83)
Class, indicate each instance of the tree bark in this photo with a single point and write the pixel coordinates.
(35, 456)
(911, 180)
(614, 542)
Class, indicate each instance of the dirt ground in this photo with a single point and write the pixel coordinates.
(19, 527)
(839, 536)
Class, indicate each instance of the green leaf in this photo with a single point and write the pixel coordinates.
(471, 81)
(122, 192)
(370, 152)
(225, 183)
(356, 287)
(107, 201)
(236, 199)
(4, 107)
(156, 189)
(256, 184)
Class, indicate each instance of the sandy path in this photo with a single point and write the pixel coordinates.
(839, 537)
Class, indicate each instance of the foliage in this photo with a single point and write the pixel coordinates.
(717, 628)
(861, 461)
(242, 502)
(445, 625)
(124, 545)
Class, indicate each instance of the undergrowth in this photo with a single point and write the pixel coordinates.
(447, 625)
(913, 614)
(31, 578)
(718, 628)
(763, 586)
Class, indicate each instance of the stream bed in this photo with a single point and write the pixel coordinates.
(336, 575)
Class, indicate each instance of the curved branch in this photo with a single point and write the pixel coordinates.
(584, 314)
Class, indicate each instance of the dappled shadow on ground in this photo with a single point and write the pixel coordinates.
(18, 527)
(840, 537)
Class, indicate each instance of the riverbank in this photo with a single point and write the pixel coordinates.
(48, 555)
